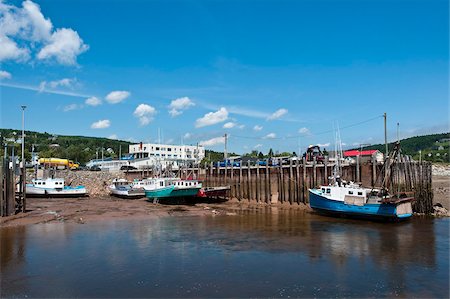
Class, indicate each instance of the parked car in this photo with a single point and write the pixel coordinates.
(128, 167)
(95, 168)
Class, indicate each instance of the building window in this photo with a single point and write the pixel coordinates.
(328, 190)
(350, 192)
(359, 193)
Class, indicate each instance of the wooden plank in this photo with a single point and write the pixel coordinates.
(267, 184)
(304, 186)
(249, 187)
(241, 183)
(257, 195)
(291, 179)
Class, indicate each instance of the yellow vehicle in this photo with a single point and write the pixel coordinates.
(58, 162)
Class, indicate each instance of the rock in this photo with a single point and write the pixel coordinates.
(441, 170)
(440, 211)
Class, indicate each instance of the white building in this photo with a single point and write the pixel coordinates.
(183, 153)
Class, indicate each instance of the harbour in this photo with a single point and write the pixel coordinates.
(224, 149)
(256, 251)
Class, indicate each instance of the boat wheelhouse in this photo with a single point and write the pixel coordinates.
(53, 187)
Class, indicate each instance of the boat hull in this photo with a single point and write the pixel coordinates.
(127, 194)
(159, 193)
(380, 211)
(67, 191)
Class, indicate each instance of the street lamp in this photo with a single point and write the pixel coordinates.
(23, 134)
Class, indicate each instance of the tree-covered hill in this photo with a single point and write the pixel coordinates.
(433, 147)
(76, 148)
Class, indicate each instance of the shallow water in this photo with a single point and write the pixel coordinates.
(264, 252)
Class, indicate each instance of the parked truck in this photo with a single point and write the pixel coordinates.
(57, 162)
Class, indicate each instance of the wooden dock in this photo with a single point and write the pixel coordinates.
(290, 183)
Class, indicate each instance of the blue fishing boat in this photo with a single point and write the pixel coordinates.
(352, 200)
(349, 199)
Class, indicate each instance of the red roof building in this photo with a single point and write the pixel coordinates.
(354, 153)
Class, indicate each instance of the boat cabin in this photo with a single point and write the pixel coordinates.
(48, 183)
(349, 194)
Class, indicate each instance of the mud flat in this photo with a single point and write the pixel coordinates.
(93, 209)
(441, 190)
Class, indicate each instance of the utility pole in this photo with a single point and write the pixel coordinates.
(398, 136)
(23, 135)
(120, 151)
(24, 198)
(225, 153)
(385, 134)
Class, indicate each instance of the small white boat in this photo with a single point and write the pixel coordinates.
(53, 188)
(125, 189)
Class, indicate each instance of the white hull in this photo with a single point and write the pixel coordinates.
(130, 193)
(65, 192)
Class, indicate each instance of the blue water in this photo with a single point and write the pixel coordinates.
(257, 253)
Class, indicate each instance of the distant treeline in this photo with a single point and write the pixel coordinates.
(435, 147)
(81, 149)
(77, 148)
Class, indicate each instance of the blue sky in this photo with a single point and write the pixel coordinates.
(269, 73)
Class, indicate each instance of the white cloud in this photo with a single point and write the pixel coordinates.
(40, 26)
(258, 146)
(323, 144)
(270, 136)
(145, 113)
(10, 50)
(5, 75)
(277, 114)
(178, 105)
(304, 131)
(229, 125)
(187, 136)
(213, 141)
(72, 107)
(66, 82)
(113, 136)
(117, 96)
(241, 127)
(212, 118)
(257, 128)
(65, 45)
(27, 26)
(101, 124)
(93, 101)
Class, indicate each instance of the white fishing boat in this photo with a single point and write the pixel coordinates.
(125, 189)
(53, 187)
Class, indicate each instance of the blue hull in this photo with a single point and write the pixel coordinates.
(372, 211)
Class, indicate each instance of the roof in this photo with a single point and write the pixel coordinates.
(354, 153)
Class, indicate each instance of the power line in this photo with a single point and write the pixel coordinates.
(312, 134)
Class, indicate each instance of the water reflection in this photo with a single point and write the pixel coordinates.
(263, 252)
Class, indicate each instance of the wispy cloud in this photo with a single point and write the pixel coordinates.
(72, 107)
(45, 90)
(115, 97)
(101, 124)
(213, 141)
(277, 114)
(5, 75)
(178, 105)
(212, 118)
